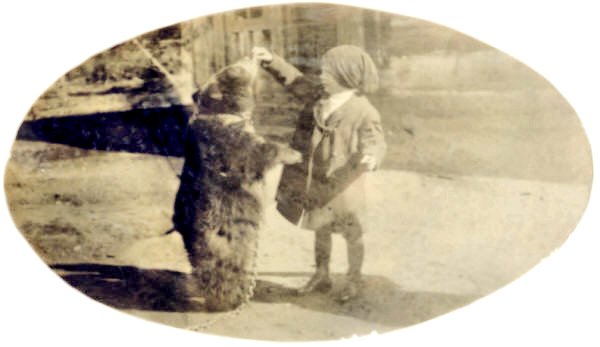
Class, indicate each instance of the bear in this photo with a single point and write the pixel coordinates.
(219, 206)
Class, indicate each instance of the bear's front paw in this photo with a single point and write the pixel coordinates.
(287, 155)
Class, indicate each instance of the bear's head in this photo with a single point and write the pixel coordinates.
(229, 91)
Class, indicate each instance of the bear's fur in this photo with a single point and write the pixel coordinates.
(217, 211)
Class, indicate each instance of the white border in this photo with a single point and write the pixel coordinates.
(555, 304)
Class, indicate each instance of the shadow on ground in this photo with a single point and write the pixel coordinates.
(128, 287)
(152, 131)
(380, 300)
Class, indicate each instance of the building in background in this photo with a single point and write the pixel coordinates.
(300, 33)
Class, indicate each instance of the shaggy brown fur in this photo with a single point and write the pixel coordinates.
(215, 212)
(217, 217)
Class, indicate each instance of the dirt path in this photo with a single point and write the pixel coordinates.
(436, 243)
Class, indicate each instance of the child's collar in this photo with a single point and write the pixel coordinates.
(325, 108)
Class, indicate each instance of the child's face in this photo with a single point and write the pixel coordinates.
(330, 84)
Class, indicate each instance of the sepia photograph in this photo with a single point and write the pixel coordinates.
(295, 172)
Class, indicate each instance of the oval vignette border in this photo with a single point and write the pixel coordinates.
(509, 300)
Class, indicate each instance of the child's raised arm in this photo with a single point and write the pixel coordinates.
(303, 88)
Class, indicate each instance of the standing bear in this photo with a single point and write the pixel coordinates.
(227, 179)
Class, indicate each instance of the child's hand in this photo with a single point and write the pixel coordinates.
(369, 161)
(261, 54)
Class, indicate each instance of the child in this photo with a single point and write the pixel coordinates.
(340, 137)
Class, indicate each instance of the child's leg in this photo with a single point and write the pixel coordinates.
(323, 245)
(320, 280)
(356, 254)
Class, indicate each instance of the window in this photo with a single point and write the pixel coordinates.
(241, 13)
(266, 38)
(256, 12)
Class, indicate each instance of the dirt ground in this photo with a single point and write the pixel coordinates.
(434, 243)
